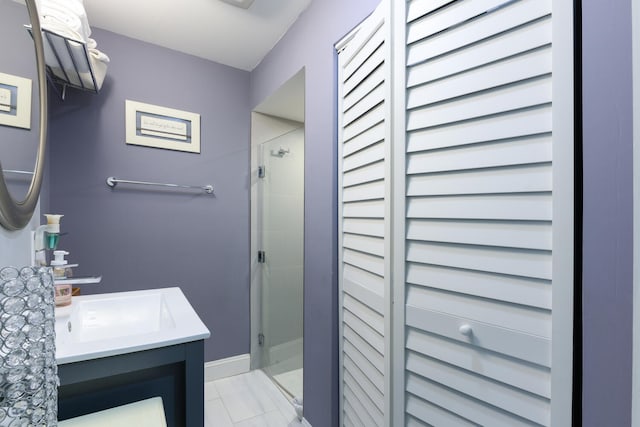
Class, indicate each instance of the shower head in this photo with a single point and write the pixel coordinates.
(280, 152)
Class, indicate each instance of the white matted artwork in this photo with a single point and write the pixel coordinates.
(15, 101)
(162, 127)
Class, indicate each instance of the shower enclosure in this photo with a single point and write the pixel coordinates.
(280, 224)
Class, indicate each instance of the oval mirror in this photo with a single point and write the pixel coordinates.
(23, 112)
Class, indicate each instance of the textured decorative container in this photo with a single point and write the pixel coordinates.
(28, 370)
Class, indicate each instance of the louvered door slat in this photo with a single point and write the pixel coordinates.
(369, 227)
(419, 8)
(376, 395)
(361, 407)
(373, 172)
(373, 80)
(520, 13)
(533, 207)
(347, 419)
(472, 409)
(524, 39)
(364, 261)
(373, 154)
(500, 287)
(372, 364)
(368, 102)
(370, 245)
(365, 44)
(366, 279)
(445, 18)
(365, 69)
(525, 150)
(516, 262)
(370, 136)
(370, 318)
(494, 393)
(525, 179)
(369, 404)
(531, 378)
(536, 92)
(368, 191)
(466, 81)
(532, 121)
(366, 122)
(365, 294)
(432, 414)
(509, 234)
(366, 209)
(358, 323)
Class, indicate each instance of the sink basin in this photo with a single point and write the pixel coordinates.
(119, 316)
(104, 325)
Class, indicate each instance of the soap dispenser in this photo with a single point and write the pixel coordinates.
(60, 270)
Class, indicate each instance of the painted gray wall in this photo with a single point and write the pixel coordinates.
(607, 282)
(141, 238)
(17, 146)
(309, 44)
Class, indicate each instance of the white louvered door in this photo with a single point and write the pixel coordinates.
(364, 179)
(476, 244)
(488, 213)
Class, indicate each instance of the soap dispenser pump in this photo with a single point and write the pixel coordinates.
(59, 264)
(60, 267)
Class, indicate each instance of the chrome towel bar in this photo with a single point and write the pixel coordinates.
(18, 172)
(113, 181)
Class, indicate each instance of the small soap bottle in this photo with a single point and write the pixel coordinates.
(59, 264)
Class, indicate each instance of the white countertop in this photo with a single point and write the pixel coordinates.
(103, 325)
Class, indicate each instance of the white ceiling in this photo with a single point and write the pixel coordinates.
(210, 29)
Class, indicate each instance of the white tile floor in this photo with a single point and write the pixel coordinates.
(247, 400)
(291, 381)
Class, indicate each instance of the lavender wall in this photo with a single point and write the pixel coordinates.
(140, 238)
(18, 146)
(607, 251)
(309, 44)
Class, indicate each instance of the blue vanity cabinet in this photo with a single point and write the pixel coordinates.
(175, 373)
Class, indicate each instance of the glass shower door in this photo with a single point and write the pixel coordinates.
(282, 233)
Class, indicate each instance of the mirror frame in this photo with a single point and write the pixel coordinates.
(15, 215)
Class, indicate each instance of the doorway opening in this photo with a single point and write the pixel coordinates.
(277, 237)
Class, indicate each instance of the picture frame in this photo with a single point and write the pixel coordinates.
(161, 127)
(15, 101)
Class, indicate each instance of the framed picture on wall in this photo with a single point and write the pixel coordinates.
(15, 101)
(162, 127)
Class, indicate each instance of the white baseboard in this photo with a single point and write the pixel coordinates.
(228, 367)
